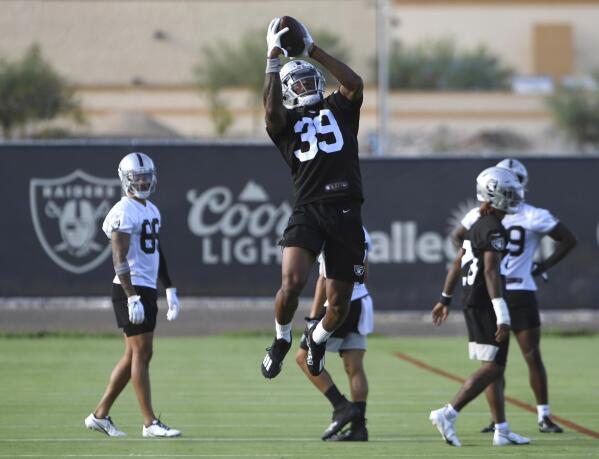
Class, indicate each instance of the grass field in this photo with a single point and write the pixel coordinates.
(211, 388)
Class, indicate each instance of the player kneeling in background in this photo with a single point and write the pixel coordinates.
(132, 226)
(485, 310)
(350, 341)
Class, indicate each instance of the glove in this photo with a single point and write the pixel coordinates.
(173, 303)
(310, 322)
(539, 270)
(136, 310)
(308, 40)
(273, 38)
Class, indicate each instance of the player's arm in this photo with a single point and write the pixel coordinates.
(272, 97)
(120, 248)
(458, 236)
(492, 274)
(440, 311)
(565, 243)
(171, 292)
(163, 275)
(351, 83)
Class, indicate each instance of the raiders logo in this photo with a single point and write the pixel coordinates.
(497, 241)
(67, 213)
(359, 270)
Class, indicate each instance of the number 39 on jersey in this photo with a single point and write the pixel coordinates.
(310, 129)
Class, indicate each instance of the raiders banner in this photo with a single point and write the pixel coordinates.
(224, 208)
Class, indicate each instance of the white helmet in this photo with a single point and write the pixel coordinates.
(501, 188)
(517, 168)
(303, 84)
(138, 175)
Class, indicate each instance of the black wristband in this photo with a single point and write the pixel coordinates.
(445, 300)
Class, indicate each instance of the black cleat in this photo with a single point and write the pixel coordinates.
(316, 352)
(548, 426)
(273, 361)
(343, 415)
(357, 432)
(488, 429)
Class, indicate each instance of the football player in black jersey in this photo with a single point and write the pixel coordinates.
(485, 310)
(317, 137)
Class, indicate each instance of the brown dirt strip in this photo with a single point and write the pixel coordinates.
(512, 400)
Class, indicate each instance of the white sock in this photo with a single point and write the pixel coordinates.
(283, 331)
(320, 335)
(450, 412)
(502, 427)
(543, 411)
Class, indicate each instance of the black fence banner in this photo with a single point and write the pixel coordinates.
(224, 208)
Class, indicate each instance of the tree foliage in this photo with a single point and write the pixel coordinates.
(31, 91)
(576, 112)
(439, 65)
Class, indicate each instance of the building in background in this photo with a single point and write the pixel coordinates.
(134, 60)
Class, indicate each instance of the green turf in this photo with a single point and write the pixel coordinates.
(212, 389)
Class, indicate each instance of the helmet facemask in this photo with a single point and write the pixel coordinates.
(138, 175)
(302, 84)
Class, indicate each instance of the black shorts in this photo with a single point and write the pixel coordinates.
(482, 325)
(349, 325)
(149, 297)
(524, 310)
(335, 228)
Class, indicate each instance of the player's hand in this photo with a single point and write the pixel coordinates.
(273, 39)
(502, 333)
(136, 310)
(308, 40)
(173, 304)
(439, 314)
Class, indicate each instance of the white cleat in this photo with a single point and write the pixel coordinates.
(509, 438)
(103, 425)
(445, 427)
(158, 429)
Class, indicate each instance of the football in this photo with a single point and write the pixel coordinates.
(293, 40)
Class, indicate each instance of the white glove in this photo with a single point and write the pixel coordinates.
(136, 310)
(273, 38)
(173, 303)
(308, 40)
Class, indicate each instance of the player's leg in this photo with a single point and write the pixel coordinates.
(99, 420)
(353, 363)
(118, 380)
(141, 353)
(295, 269)
(529, 341)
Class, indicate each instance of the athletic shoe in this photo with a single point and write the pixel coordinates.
(316, 352)
(357, 432)
(548, 426)
(273, 361)
(489, 428)
(508, 438)
(445, 427)
(158, 429)
(343, 415)
(103, 425)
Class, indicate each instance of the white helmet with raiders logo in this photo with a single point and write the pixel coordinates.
(138, 175)
(517, 168)
(303, 84)
(501, 188)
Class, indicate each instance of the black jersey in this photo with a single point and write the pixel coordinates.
(487, 234)
(320, 145)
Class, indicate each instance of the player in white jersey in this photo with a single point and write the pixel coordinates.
(133, 225)
(350, 341)
(525, 230)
